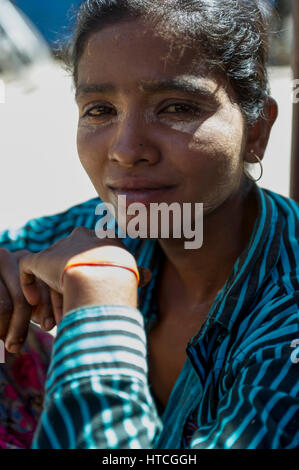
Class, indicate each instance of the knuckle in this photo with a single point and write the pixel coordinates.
(23, 261)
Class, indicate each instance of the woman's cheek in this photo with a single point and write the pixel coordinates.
(220, 143)
(89, 145)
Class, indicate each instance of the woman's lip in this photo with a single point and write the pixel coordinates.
(143, 195)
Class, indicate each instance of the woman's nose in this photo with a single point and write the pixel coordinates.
(132, 146)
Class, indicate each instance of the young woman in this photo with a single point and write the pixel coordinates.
(173, 103)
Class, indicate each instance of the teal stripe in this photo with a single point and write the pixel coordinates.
(49, 432)
(294, 206)
(88, 359)
(262, 272)
(246, 420)
(258, 438)
(267, 306)
(239, 304)
(239, 431)
(89, 373)
(86, 417)
(261, 374)
(97, 344)
(253, 341)
(106, 414)
(100, 325)
(128, 424)
(289, 207)
(270, 405)
(222, 422)
(67, 420)
(101, 321)
(228, 419)
(294, 443)
(282, 424)
(295, 390)
(275, 384)
(285, 259)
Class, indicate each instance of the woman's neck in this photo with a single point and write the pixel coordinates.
(202, 273)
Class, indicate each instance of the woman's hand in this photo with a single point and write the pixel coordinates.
(83, 285)
(15, 311)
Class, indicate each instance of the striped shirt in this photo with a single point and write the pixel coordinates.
(239, 386)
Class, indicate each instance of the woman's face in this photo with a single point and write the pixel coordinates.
(150, 120)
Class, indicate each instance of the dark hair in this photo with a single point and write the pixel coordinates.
(232, 35)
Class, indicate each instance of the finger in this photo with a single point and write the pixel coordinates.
(28, 281)
(43, 312)
(19, 321)
(57, 305)
(6, 309)
(35, 316)
(145, 276)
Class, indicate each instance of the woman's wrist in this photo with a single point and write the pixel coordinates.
(98, 285)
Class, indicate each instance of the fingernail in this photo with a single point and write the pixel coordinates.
(14, 348)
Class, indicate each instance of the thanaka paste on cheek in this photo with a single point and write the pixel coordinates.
(186, 127)
(183, 126)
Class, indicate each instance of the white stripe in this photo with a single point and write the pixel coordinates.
(99, 359)
(100, 325)
(106, 341)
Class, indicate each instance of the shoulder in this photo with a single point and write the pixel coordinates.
(271, 320)
(270, 328)
(286, 208)
(281, 249)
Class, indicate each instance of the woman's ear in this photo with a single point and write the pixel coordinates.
(259, 132)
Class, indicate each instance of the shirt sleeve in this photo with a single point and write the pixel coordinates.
(97, 394)
(40, 233)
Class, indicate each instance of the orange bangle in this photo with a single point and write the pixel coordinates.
(101, 263)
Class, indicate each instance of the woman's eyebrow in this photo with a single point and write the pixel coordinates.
(153, 86)
(85, 89)
(177, 84)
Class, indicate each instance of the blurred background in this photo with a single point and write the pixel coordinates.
(40, 171)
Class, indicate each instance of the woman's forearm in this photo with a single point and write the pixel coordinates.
(97, 391)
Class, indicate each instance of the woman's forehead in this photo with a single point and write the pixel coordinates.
(138, 36)
(127, 51)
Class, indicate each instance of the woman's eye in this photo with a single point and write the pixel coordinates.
(181, 108)
(98, 111)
